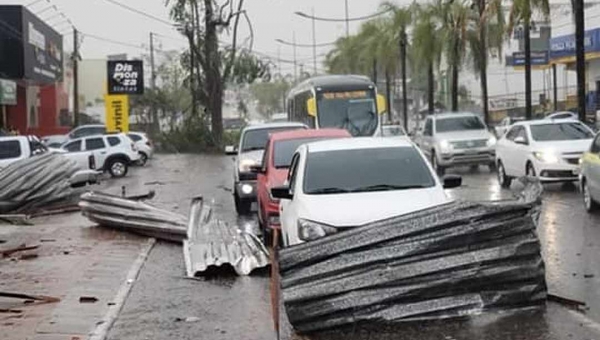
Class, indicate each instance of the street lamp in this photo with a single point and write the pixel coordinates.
(314, 37)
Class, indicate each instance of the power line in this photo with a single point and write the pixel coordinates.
(281, 41)
(112, 41)
(131, 9)
(366, 17)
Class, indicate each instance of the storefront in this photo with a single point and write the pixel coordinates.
(31, 56)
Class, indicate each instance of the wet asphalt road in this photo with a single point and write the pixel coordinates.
(165, 305)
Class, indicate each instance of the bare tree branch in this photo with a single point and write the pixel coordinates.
(229, 66)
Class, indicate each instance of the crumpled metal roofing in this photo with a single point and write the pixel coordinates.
(212, 243)
(133, 216)
(448, 261)
(35, 182)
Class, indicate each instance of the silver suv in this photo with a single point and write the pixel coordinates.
(454, 139)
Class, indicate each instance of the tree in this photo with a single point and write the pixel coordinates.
(210, 66)
(520, 13)
(428, 51)
(487, 38)
(270, 96)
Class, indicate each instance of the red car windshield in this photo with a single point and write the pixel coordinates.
(284, 150)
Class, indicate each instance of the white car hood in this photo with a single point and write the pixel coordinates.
(464, 135)
(569, 146)
(346, 210)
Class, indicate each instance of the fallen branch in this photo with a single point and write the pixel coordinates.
(16, 219)
(41, 298)
(23, 247)
(565, 301)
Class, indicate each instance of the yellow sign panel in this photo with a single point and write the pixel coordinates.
(345, 95)
(117, 113)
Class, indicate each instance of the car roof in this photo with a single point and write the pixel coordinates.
(273, 125)
(547, 121)
(89, 126)
(307, 133)
(453, 115)
(358, 143)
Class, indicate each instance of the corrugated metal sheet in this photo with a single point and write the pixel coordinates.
(212, 243)
(133, 216)
(453, 260)
(35, 182)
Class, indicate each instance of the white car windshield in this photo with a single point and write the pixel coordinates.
(560, 132)
(458, 124)
(346, 171)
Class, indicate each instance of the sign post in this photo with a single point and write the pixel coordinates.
(117, 113)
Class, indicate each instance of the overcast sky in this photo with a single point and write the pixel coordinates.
(271, 19)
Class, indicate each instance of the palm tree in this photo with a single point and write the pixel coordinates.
(427, 46)
(520, 13)
(396, 35)
(487, 38)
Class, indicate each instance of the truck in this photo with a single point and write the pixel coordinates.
(16, 148)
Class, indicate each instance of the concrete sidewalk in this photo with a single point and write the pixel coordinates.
(75, 259)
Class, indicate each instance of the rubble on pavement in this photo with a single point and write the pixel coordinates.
(454, 260)
(35, 182)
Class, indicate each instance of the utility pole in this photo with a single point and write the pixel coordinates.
(314, 38)
(555, 89)
(347, 21)
(483, 56)
(75, 59)
(403, 62)
(295, 62)
(580, 57)
(155, 122)
(527, 37)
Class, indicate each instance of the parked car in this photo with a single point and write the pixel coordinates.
(350, 182)
(56, 141)
(16, 148)
(114, 152)
(562, 115)
(505, 124)
(549, 150)
(274, 169)
(253, 141)
(144, 146)
(454, 139)
(590, 176)
(393, 131)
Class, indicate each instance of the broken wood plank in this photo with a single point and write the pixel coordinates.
(21, 219)
(41, 298)
(23, 247)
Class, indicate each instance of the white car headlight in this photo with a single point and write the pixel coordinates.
(309, 230)
(492, 141)
(246, 189)
(546, 157)
(245, 165)
(445, 145)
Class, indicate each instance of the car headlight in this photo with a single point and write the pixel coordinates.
(309, 230)
(245, 165)
(246, 189)
(491, 141)
(546, 157)
(445, 145)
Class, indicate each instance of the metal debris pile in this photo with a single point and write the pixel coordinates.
(35, 182)
(212, 243)
(448, 261)
(207, 242)
(133, 216)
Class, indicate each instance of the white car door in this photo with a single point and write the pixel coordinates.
(288, 212)
(506, 151)
(99, 148)
(519, 152)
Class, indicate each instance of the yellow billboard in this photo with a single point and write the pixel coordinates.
(117, 113)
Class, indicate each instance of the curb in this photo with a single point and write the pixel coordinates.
(105, 324)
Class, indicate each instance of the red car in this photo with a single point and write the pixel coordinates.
(274, 170)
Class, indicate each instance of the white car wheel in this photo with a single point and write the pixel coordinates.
(588, 201)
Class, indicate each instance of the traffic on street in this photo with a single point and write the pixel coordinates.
(419, 170)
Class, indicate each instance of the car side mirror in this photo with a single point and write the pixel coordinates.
(230, 150)
(452, 181)
(520, 140)
(282, 192)
(257, 169)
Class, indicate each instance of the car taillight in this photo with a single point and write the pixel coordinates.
(92, 162)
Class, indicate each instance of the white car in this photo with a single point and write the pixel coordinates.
(114, 153)
(549, 150)
(349, 182)
(143, 144)
(455, 139)
(393, 131)
(562, 115)
(505, 124)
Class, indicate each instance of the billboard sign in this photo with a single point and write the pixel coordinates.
(564, 46)
(538, 58)
(125, 77)
(117, 113)
(31, 50)
(8, 92)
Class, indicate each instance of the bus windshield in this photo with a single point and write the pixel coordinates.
(354, 111)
